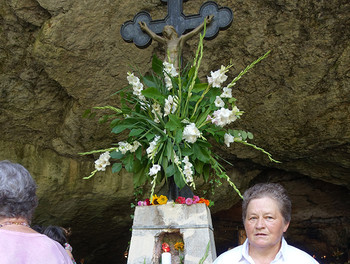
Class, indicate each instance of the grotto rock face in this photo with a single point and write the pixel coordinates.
(60, 58)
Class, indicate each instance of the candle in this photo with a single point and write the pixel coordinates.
(166, 258)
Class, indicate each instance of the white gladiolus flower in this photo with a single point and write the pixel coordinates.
(217, 77)
(137, 86)
(170, 69)
(125, 146)
(154, 170)
(219, 102)
(228, 139)
(227, 93)
(152, 147)
(168, 83)
(135, 146)
(103, 161)
(235, 110)
(223, 117)
(191, 133)
(188, 169)
(170, 105)
(176, 159)
(156, 110)
(133, 80)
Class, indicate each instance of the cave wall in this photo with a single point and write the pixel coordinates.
(60, 58)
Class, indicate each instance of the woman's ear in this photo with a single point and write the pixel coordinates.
(286, 225)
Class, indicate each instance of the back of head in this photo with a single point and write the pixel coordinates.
(56, 233)
(274, 191)
(17, 191)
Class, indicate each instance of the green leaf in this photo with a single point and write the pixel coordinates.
(164, 164)
(191, 72)
(116, 167)
(187, 152)
(139, 174)
(128, 162)
(173, 123)
(120, 128)
(138, 153)
(198, 165)
(236, 133)
(170, 170)
(195, 98)
(116, 155)
(178, 135)
(250, 135)
(206, 172)
(169, 148)
(114, 122)
(179, 180)
(198, 87)
(150, 136)
(89, 114)
(244, 135)
(201, 152)
(136, 132)
(149, 81)
(153, 93)
(232, 100)
(203, 116)
(157, 65)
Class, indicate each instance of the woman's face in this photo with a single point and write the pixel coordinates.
(264, 224)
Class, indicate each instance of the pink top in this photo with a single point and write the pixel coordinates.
(30, 248)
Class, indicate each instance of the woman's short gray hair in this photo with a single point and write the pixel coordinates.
(17, 191)
(274, 191)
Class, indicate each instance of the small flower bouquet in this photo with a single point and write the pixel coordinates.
(162, 199)
(169, 117)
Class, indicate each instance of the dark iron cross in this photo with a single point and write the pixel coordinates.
(131, 31)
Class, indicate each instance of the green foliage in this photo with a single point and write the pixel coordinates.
(158, 119)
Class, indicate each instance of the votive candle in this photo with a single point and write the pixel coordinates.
(166, 258)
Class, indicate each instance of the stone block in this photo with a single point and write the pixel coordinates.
(192, 222)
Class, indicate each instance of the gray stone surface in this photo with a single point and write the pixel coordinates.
(192, 222)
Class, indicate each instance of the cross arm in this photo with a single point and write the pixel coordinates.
(153, 35)
(207, 20)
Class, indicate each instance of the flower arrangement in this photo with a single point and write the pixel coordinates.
(169, 117)
(162, 199)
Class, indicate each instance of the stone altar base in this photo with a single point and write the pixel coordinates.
(171, 223)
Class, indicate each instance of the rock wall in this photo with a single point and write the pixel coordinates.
(59, 58)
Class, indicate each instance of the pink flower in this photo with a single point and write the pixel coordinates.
(189, 201)
(195, 199)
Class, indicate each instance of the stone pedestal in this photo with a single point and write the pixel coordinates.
(192, 223)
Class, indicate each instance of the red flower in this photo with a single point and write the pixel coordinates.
(166, 247)
(148, 202)
(180, 200)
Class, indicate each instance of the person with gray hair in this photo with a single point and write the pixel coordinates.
(266, 213)
(19, 243)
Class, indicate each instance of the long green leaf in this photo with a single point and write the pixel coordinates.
(153, 93)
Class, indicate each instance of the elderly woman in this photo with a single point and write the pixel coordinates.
(266, 212)
(19, 243)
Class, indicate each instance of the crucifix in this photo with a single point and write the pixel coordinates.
(176, 28)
